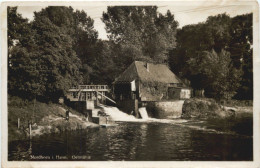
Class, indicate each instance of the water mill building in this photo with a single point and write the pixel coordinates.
(143, 84)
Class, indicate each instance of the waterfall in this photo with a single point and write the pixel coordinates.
(143, 113)
(118, 115)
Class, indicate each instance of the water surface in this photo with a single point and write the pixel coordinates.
(155, 140)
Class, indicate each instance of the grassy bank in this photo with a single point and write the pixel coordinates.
(45, 118)
(209, 109)
(231, 116)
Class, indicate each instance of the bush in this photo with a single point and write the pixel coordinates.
(17, 101)
(201, 108)
(239, 103)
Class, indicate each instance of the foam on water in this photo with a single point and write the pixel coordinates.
(118, 115)
(143, 113)
(209, 130)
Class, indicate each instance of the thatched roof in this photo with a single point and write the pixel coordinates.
(148, 72)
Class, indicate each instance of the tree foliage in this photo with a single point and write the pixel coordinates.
(21, 74)
(18, 28)
(242, 52)
(215, 55)
(215, 73)
(49, 64)
(142, 30)
(60, 48)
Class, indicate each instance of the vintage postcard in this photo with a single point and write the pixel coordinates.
(130, 84)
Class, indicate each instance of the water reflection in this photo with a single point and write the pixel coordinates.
(137, 141)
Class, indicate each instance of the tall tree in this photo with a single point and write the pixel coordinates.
(18, 28)
(191, 40)
(48, 64)
(21, 48)
(142, 30)
(203, 49)
(103, 67)
(57, 61)
(80, 28)
(218, 31)
(214, 72)
(242, 53)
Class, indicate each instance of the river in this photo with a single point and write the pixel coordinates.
(144, 140)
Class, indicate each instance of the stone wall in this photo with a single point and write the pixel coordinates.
(165, 109)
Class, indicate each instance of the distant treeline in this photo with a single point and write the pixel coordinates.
(60, 48)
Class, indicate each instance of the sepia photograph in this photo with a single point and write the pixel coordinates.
(129, 81)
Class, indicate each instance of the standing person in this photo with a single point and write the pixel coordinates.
(67, 114)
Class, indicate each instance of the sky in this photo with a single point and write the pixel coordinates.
(185, 13)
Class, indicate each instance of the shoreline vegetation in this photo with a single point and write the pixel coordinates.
(233, 115)
(205, 108)
(50, 118)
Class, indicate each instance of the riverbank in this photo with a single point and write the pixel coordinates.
(45, 118)
(209, 109)
(231, 117)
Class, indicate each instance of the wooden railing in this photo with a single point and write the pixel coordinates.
(87, 92)
(94, 87)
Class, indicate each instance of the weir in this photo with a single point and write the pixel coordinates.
(143, 113)
(117, 115)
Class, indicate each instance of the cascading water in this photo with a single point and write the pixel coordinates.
(143, 113)
(118, 115)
